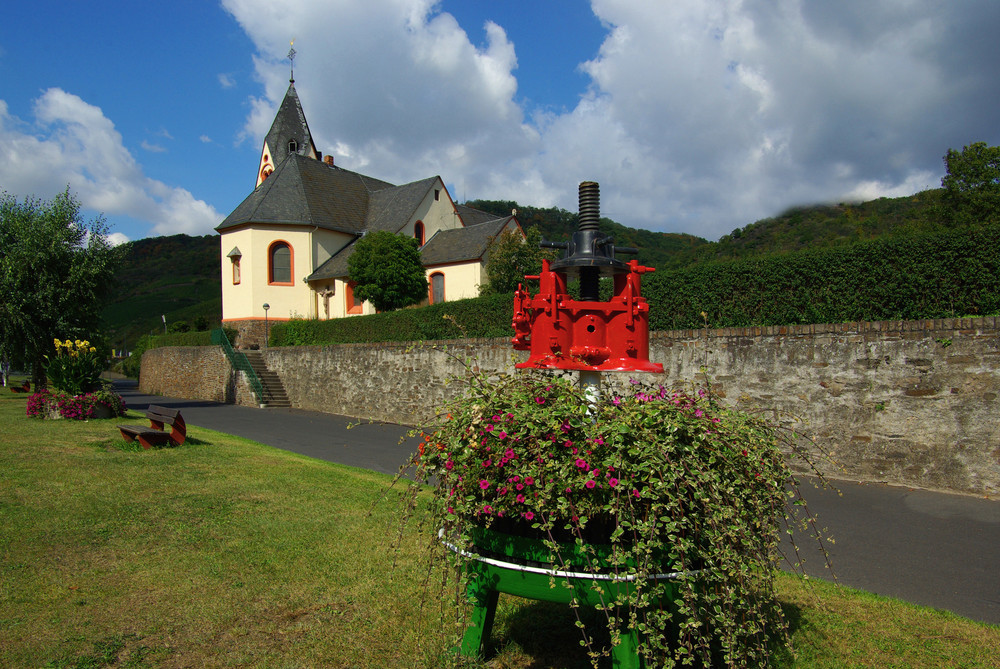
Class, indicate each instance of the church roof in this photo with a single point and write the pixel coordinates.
(303, 191)
(290, 124)
(392, 208)
(462, 244)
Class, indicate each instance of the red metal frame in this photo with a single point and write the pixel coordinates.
(563, 333)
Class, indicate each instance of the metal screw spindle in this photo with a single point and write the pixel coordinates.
(590, 205)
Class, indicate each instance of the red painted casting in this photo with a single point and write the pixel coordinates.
(563, 333)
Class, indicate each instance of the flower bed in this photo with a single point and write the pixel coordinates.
(641, 481)
(98, 404)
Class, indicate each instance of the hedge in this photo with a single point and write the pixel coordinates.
(922, 276)
(488, 316)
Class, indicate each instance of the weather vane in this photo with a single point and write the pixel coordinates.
(291, 60)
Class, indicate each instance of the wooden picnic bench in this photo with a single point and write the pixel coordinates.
(26, 388)
(155, 434)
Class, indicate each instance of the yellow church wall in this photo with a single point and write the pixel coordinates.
(246, 299)
(461, 280)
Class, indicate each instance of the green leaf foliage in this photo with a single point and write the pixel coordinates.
(488, 316)
(511, 257)
(387, 270)
(56, 271)
(920, 276)
(972, 184)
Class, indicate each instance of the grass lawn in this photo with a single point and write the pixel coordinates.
(225, 552)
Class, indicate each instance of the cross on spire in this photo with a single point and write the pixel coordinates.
(291, 60)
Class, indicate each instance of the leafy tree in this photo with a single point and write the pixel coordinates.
(510, 257)
(972, 184)
(387, 270)
(55, 272)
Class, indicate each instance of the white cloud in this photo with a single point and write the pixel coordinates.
(117, 239)
(701, 116)
(205, 139)
(72, 143)
(226, 80)
(152, 148)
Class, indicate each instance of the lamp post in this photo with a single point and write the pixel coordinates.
(267, 333)
(164, 323)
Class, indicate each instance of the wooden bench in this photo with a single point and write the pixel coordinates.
(155, 435)
(26, 388)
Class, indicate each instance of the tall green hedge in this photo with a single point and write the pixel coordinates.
(478, 317)
(130, 365)
(926, 276)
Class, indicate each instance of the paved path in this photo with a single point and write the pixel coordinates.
(929, 548)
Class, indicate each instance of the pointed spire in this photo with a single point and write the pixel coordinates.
(291, 62)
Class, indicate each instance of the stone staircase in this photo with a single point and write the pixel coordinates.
(275, 396)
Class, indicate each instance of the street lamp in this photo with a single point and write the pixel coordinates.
(266, 331)
(164, 323)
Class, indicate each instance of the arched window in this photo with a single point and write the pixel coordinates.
(351, 305)
(236, 271)
(437, 288)
(279, 264)
(293, 146)
(418, 232)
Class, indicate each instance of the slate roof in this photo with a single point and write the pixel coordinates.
(289, 123)
(461, 244)
(392, 208)
(304, 191)
(472, 216)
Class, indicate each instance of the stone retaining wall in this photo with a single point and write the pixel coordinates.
(908, 402)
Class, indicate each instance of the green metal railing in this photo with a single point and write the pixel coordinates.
(240, 362)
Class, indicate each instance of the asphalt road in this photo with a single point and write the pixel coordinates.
(930, 548)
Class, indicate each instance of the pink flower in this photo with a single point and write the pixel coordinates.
(566, 427)
(520, 486)
(528, 515)
(487, 509)
(581, 463)
(449, 465)
(635, 493)
(502, 434)
(617, 402)
(484, 484)
(520, 498)
(509, 453)
(698, 413)
(591, 483)
(489, 428)
(612, 481)
(540, 400)
(528, 480)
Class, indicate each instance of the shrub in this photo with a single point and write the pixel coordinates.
(76, 366)
(74, 407)
(664, 480)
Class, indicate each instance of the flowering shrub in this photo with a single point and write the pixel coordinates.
(652, 480)
(76, 366)
(47, 404)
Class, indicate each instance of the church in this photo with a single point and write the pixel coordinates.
(287, 244)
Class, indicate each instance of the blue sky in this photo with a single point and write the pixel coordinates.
(695, 116)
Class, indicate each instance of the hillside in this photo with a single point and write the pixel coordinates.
(176, 277)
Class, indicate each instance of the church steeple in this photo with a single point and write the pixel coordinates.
(289, 132)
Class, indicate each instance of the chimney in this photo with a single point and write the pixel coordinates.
(328, 159)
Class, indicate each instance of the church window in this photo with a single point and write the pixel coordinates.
(293, 146)
(437, 194)
(236, 271)
(351, 305)
(418, 232)
(279, 266)
(437, 288)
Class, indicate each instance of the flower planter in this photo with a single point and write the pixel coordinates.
(101, 411)
(519, 566)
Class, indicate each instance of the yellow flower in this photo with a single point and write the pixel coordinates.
(85, 343)
(93, 350)
(58, 343)
(68, 343)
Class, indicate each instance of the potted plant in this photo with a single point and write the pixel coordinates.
(644, 482)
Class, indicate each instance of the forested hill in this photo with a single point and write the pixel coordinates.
(176, 277)
(816, 226)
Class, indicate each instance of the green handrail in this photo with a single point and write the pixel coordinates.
(239, 361)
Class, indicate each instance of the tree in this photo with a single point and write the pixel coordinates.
(972, 184)
(55, 271)
(387, 270)
(510, 257)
